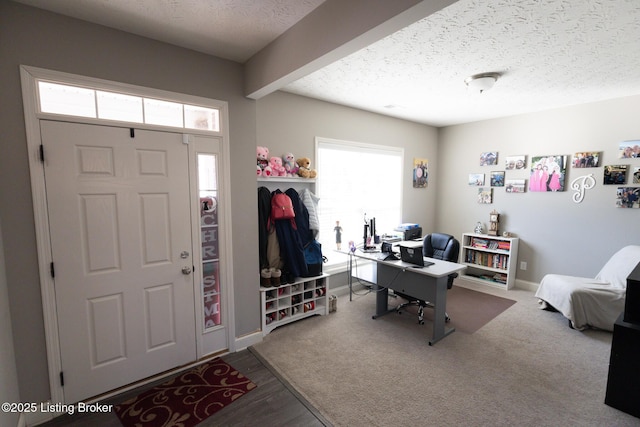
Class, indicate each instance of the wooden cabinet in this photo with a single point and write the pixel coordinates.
(289, 302)
(490, 260)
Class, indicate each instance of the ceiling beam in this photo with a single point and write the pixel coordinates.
(333, 30)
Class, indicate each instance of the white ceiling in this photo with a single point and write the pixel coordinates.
(551, 53)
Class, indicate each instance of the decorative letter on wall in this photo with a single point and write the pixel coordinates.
(580, 184)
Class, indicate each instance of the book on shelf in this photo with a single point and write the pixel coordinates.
(499, 261)
(478, 242)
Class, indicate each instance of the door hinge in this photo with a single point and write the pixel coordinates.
(61, 379)
(52, 269)
(132, 132)
(42, 153)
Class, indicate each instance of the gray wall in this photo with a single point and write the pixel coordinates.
(557, 235)
(38, 38)
(8, 377)
(290, 123)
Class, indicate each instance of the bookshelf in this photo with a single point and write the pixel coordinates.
(490, 260)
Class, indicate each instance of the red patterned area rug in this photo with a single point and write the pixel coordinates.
(187, 399)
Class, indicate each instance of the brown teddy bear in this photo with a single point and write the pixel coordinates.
(303, 168)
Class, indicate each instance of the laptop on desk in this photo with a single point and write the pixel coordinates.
(413, 255)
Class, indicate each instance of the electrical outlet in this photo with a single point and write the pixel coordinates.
(523, 265)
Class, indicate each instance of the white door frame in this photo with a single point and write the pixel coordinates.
(29, 76)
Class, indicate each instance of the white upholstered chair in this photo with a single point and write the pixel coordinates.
(587, 302)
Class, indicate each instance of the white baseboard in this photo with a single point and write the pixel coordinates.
(527, 286)
(247, 340)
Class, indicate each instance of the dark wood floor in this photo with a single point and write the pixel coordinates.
(273, 403)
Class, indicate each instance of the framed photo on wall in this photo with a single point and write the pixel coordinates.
(420, 173)
(515, 185)
(497, 179)
(476, 179)
(628, 197)
(485, 196)
(629, 149)
(515, 162)
(586, 159)
(547, 173)
(489, 158)
(615, 174)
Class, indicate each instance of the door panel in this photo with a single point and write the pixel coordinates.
(120, 226)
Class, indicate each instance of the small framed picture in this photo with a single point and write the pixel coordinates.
(485, 196)
(515, 162)
(615, 174)
(476, 179)
(586, 159)
(636, 175)
(628, 197)
(515, 185)
(497, 179)
(629, 149)
(489, 158)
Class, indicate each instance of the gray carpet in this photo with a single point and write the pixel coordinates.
(525, 367)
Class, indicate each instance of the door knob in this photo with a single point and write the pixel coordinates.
(186, 270)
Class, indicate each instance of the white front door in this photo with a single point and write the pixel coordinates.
(121, 238)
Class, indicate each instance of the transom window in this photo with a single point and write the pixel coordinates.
(69, 100)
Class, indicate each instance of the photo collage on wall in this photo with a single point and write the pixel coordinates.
(548, 173)
(626, 197)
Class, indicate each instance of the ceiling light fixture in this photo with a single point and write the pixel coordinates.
(479, 83)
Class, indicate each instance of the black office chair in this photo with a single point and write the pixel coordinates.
(438, 246)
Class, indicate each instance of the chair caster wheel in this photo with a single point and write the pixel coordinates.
(421, 322)
(447, 319)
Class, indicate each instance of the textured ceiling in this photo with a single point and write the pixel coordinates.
(551, 53)
(230, 29)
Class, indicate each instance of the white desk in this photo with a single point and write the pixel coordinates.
(426, 283)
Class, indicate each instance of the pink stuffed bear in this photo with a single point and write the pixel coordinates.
(290, 165)
(276, 166)
(263, 162)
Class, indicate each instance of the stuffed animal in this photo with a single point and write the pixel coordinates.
(276, 166)
(263, 161)
(303, 168)
(290, 165)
